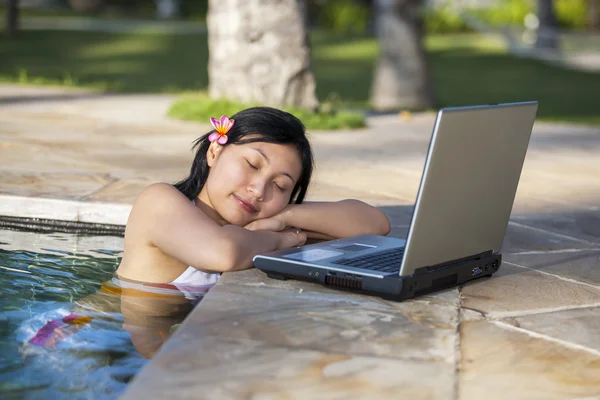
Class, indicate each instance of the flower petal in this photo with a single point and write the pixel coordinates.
(223, 139)
(213, 136)
(215, 123)
(224, 121)
(230, 124)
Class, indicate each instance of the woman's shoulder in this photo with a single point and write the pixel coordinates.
(161, 189)
(159, 193)
(160, 200)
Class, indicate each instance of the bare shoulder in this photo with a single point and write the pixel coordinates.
(161, 205)
(160, 194)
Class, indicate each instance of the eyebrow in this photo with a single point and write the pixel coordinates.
(269, 162)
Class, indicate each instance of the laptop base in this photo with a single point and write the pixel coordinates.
(392, 287)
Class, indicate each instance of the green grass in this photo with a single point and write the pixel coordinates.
(200, 107)
(143, 11)
(123, 62)
(467, 69)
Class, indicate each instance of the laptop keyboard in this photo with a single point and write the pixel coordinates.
(386, 261)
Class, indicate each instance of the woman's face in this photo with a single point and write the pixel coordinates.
(250, 181)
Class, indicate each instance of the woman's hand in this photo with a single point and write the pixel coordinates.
(291, 238)
(267, 224)
(288, 236)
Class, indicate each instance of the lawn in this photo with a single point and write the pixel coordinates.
(466, 69)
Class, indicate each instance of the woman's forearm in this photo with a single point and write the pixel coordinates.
(245, 244)
(337, 219)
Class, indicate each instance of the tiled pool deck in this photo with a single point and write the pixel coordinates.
(530, 332)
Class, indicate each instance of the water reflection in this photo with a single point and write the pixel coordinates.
(68, 327)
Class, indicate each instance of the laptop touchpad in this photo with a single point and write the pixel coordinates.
(356, 247)
(313, 255)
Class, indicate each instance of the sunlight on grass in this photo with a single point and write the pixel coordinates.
(466, 69)
(123, 47)
(483, 43)
(357, 50)
(200, 108)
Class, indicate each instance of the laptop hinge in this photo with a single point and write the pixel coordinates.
(437, 267)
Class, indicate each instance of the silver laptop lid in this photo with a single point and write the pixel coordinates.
(469, 183)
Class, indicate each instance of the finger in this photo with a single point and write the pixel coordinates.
(273, 224)
(302, 238)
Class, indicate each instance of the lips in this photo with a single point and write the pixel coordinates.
(245, 205)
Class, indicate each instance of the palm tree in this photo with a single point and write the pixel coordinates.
(402, 79)
(259, 52)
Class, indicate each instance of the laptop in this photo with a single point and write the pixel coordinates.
(460, 217)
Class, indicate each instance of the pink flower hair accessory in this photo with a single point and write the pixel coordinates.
(222, 126)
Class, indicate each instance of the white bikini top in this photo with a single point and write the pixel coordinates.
(194, 277)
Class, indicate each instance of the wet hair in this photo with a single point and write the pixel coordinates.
(256, 124)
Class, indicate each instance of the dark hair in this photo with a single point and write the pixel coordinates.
(262, 124)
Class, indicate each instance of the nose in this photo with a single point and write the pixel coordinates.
(258, 188)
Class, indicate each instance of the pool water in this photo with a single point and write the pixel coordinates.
(67, 330)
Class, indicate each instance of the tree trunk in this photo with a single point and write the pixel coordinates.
(547, 34)
(12, 18)
(593, 14)
(259, 52)
(402, 79)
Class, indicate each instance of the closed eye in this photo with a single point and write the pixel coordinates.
(279, 187)
(251, 165)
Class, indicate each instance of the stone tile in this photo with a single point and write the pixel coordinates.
(524, 206)
(257, 279)
(400, 232)
(70, 243)
(191, 366)
(517, 291)
(329, 322)
(365, 176)
(580, 265)
(120, 191)
(64, 210)
(578, 326)
(576, 188)
(500, 363)
(520, 238)
(31, 159)
(399, 214)
(322, 191)
(52, 185)
(581, 224)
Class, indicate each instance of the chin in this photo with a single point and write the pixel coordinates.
(234, 218)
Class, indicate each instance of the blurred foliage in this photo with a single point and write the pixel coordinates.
(571, 14)
(344, 16)
(347, 16)
(444, 19)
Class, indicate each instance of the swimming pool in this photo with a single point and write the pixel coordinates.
(67, 328)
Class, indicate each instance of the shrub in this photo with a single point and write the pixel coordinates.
(344, 16)
(443, 19)
(571, 14)
(201, 108)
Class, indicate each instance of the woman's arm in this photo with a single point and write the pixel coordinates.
(167, 220)
(330, 220)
